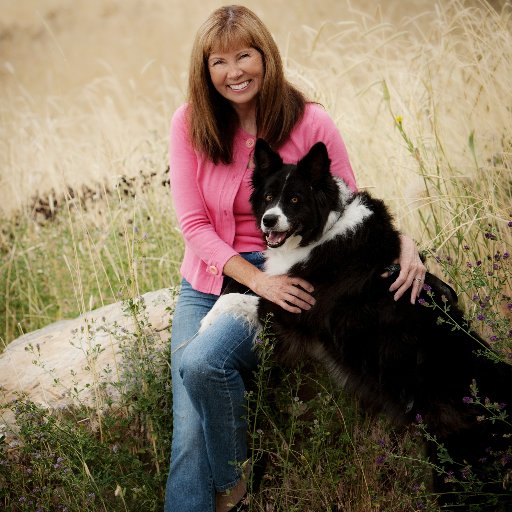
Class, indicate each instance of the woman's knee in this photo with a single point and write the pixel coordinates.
(197, 370)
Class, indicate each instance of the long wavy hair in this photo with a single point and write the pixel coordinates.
(213, 121)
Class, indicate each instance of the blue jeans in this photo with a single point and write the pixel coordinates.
(209, 431)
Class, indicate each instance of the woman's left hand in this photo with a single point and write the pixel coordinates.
(412, 270)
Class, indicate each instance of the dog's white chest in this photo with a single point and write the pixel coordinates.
(280, 262)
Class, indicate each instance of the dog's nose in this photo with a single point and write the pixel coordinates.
(269, 221)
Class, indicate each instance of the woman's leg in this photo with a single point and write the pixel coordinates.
(189, 484)
(210, 370)
(209, 436)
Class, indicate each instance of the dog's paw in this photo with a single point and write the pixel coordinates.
(236, 304)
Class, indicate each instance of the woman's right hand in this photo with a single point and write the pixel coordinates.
(291, 293)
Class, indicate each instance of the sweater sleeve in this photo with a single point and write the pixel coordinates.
(191, 211)
(325, 130)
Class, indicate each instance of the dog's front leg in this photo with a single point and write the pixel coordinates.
(238, 305)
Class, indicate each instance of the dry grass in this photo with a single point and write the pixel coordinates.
(87, 90)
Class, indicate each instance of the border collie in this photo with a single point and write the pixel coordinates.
(406, 361)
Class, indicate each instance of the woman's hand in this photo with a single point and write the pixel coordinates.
(291, 293)
(412, 270)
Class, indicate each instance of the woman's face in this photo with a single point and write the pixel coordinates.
(237, 75)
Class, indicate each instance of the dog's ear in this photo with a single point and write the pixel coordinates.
(265, 159)
(316, 163)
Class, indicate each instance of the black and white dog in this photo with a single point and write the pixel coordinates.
(395, 357)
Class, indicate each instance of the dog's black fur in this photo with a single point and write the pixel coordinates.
(395, 357)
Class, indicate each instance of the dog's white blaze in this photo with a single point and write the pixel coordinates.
(281, 259)
(238, 305)
(282, 221)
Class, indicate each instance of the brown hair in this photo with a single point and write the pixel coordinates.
(212, 119)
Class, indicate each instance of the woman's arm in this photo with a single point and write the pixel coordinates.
(189, 205)
(291, 293)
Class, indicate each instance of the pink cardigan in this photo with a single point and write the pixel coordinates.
(204, 193)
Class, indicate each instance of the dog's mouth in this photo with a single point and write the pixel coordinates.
(276, 238)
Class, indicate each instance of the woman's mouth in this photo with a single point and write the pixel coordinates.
(239, 87)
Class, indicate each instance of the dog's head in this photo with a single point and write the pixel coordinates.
(292, 202)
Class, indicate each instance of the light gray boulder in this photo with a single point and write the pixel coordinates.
(75, 360)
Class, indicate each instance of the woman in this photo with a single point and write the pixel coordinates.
(237, 92)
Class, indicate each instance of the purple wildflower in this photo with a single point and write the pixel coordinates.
(427, 288)
(465, 473)
(380, 460)
(449, 476)
(506, 459)
(423, 302)
(467, 400)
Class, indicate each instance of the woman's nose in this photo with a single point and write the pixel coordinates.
(234, 71)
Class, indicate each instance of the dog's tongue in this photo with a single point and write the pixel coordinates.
(275, 237)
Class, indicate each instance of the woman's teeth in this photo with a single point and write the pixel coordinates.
(239, 87)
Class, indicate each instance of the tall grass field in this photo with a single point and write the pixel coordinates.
(422, 94)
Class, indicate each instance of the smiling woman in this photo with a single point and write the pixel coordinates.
(237, 92)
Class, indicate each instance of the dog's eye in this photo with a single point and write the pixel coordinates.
(294, 200)
(268, 198)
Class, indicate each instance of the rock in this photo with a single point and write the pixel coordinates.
(71, 360)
